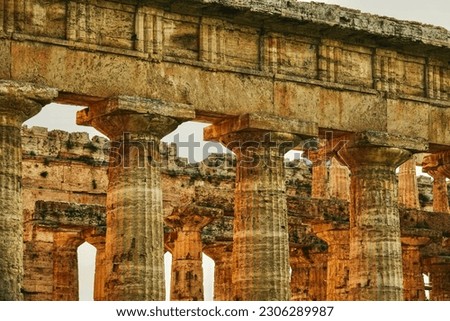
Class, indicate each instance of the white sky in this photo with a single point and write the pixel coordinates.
(436, 12)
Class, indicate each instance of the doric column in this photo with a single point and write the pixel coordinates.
(18, 102)
(319, 184)
(100, 268)
(134, 237)
(337, 237)
(317, 290)
(339, 180)
(187, 267)
(440, 193)
(221, 254)
(308, 274)
(300, 268)
(65, 266)
(260, 238)
(375, 247)
(408, 192)
(439, 268)
(413, 283)
(438, 166)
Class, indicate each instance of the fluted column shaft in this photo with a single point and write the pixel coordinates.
(308, 276)
(375, 248)
(413, 283)
(187, 268)
(100, 273)
(260, 249)
(438, 166)
(299, 278)
(319, 184)
(339, 177)
(338, 263)
(65, 267)
(260, 229)
(11, 222)
(408, 192)
(134, 238)
(440, 193)
(221, 254)
(318, 277)
(18, 102)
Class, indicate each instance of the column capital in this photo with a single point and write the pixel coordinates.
(22, 101)
(378, 148)
(219, 251)
(357, 156)
(438, 164)
(333, 233)
(374, 218)
(135, 115)
(192, 217)
(258, 128)
(415, 241)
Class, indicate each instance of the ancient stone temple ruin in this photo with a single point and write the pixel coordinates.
(366, 99)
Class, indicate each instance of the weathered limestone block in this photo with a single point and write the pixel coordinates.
(187, 270)
(413, 283)
(260, 239)
(375, 248)
(38, 263)
(221, 254)
(385, 71)
(438, 166)
(437, 81)
(308, 276)
(18, 102)
(213, 188)
(134, 239)
(408, 192)
(337, 237)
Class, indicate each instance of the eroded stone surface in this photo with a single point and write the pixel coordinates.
(408, 193)
(186, 247)
(312, 62)
(18, 102)
(134, 238)
(374, 221)
(211, 183)
(247, 67)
